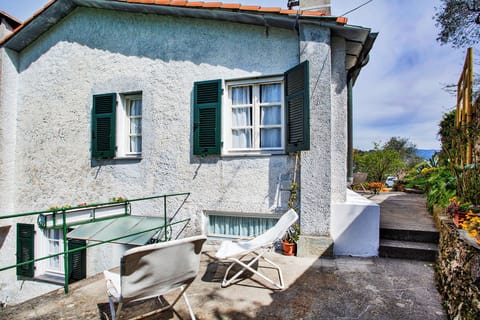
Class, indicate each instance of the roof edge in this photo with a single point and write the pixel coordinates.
(12, 21)
(55, 10)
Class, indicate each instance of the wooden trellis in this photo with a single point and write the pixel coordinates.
(466, 109)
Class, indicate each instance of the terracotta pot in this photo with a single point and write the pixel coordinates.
(458, 218)
(288, 248)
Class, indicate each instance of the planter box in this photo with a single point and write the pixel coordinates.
(79, 215)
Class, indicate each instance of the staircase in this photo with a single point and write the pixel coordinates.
(407, 230)
(408, 244)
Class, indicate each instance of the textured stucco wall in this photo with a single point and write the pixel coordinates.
(339, 120)
(96, 51)
(315, 179)
(61, 72)
(8, 88)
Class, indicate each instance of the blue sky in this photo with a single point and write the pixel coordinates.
(399, 93)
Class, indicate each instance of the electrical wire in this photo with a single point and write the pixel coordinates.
(354, 9)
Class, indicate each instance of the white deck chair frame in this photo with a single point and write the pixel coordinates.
(154, 270)
(259, 246)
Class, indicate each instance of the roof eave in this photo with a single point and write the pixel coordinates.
(56, 10)
(11, 20)
(356, 37)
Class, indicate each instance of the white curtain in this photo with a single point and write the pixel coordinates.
(271, 115)
(271, 93)
(239, 226)
(241, 117)
(135, 115)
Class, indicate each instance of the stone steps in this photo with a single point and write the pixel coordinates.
(408, 244)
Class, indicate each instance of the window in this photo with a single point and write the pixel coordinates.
(54, 245)
(50, 242)
(233, 225)
(117, 127)
(129, 138)
(254, 120)
(269, 115)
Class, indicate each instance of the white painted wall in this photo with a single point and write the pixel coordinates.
(355, 226)
(96, 51)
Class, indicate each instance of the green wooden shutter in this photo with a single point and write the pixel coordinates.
(77, 265)
(206, 117)
(25, 249)
(297, 108)
(103, 126)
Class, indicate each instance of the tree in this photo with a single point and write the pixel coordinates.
(459, 22)
(447, 135)
(378, 162)
(406, 149)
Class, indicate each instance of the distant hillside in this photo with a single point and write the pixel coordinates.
(426, 153)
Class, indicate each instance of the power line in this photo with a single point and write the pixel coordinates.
(354, 9)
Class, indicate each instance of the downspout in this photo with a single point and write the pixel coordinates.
(352, 74)
(350, 132)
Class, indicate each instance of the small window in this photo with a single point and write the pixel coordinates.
(117, 126)
(134, 125)
(54, 245)
(233, 225)
(254, 119)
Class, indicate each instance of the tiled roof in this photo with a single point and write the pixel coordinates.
(226, 6)
(62, 8)
(207, 5)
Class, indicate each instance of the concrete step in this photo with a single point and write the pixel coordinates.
(421, 251)
(427, 236)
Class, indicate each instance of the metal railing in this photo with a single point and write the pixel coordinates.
(66, 223)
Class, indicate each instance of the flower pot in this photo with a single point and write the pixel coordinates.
(288, 248)
(458, 218)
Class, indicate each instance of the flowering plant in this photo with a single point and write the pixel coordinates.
(472, 224)
(375, 186)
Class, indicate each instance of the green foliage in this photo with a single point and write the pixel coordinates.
(439, 185)
(452, 156)
(406, 149)
(293, 233)
(378, 163)
(459, 22)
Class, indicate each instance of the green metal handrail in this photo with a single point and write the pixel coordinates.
(65, 227)
(97, 243)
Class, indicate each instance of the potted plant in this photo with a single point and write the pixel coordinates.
(289, 242)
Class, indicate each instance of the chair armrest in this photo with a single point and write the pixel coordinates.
(113, 284)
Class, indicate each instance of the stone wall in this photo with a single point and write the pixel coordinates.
(457, 272)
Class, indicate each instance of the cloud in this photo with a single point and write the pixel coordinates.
(400, 92)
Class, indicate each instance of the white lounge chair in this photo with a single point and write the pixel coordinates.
(153, 270)
(236, 251)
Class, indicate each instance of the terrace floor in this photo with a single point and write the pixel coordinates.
(317, 288)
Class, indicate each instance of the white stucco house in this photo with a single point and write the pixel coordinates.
(134, 98)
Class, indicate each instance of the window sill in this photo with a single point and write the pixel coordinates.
(50, 278)
(128, 158)
(236, 154)
(116, 160)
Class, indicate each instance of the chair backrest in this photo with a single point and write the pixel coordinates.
(278, 230)
(359, 177)
(155, 269)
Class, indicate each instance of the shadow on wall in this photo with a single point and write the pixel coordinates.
(3, 234)
(166, 39)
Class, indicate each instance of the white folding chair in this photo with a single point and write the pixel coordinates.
(153, 270)
(236, 251)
